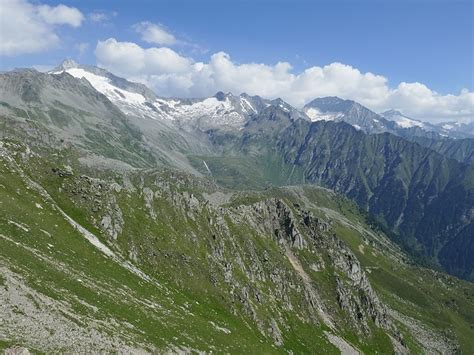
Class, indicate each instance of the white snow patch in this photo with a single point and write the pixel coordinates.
(315, 115)
(211, 110)
(247, 105)
(406, 122)
(103, 85)
(283, 107)
(130, 103)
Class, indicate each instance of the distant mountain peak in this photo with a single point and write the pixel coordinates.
(67, 64)
(392, 112)
(221, 96)
(331, 104)
(332, 100)
(328, 99)
(278, 100)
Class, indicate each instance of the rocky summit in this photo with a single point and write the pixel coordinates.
(134, 223)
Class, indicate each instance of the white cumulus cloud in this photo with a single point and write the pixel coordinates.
(155, 34)
(60, 15)
(30, 28)
(129, 59)
(172, 74)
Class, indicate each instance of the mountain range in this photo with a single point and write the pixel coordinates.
(272, 228)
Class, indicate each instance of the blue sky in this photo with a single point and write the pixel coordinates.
(429, 42)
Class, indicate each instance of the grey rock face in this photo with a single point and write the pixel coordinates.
(301, 230)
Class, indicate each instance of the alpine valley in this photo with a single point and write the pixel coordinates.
(134, 223)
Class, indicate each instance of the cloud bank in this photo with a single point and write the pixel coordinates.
(171, 74)
(28, 28)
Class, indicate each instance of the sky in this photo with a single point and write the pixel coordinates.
(415, 56)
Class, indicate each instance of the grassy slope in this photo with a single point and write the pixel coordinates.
(439, 301)
(78, 271)
(188, 300)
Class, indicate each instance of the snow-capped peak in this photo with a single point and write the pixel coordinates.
(67, 64)
(334, 108)
(457, 129)
(222, 109)
(128, 101)
(401, 120)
